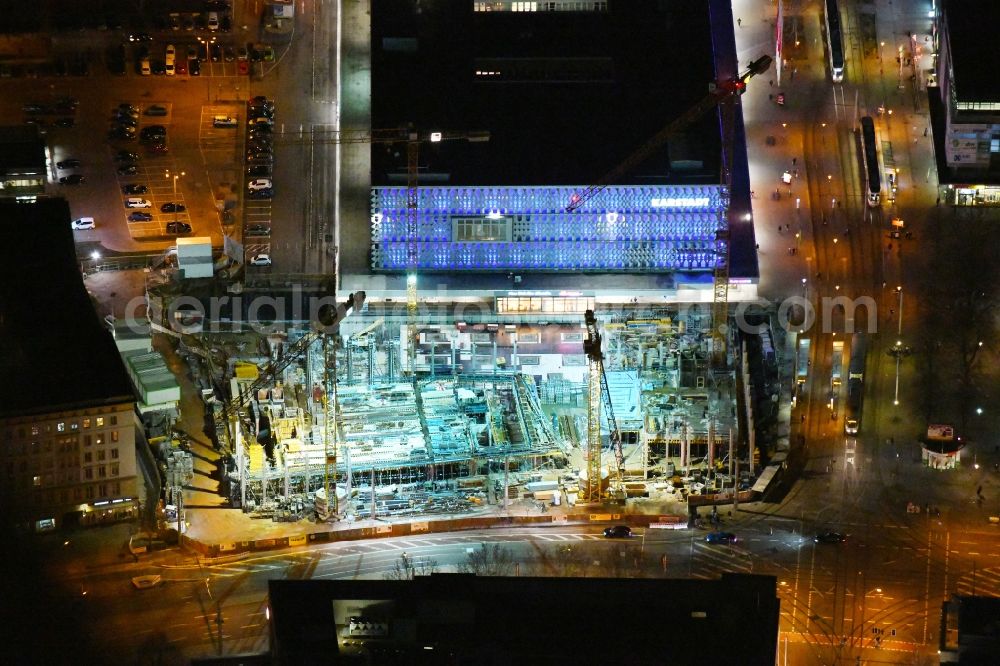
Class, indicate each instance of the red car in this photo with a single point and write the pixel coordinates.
(244, 66)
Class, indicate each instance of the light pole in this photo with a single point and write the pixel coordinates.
(174, 178)
(208, 58)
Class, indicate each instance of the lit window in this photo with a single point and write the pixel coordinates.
(114, 435)
(61, 427)
(74, 426)
(100, 421)
(35, 430)
(36, 481)
(86, 423)
(98, 439)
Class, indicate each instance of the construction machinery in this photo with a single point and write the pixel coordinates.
(237, 420)
(597, 393)
(412, 139)
(722, 93)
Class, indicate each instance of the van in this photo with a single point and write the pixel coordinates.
(144, 67)
(224, 121)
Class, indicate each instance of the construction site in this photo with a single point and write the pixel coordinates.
(384, 419)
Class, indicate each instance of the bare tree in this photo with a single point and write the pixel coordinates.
(489, 560)
(406, 567)
(622, 561)
(563, 561)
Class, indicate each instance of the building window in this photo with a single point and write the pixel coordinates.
(36, 481)
(100, 454)
(100, 421)
(114, 435)
(114, 454)
(116, 488)
(481, 229)
(102, 490)
(90, 492)
(35, 430)
(86, 423)
(88, 473)
(74, 426)
(60, 427)
(86, 440)
(114, 420)
(87, 457)
(114, 469)
(102, 472)
(98, 439)
(77, 493)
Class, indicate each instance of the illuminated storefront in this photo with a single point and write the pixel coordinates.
(544, 302)
(624, 229)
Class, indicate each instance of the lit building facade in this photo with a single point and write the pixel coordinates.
(965, 105)
(621, 230)
(75, 466)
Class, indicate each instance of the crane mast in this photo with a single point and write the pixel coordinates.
(598, 392)
(723, 94)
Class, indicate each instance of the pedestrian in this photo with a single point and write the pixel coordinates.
(771, 83)
(794, 160)
(753, 195)
(739, 23)
(938, 202)
(925, 131)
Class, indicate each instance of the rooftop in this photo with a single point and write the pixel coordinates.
(22, 147)
(56, 352)
(530, 620)
(975, 60)
(566, 96)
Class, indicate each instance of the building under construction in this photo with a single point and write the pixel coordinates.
(458, 416)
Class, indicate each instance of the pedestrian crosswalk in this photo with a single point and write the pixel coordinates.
(980, 582)
(709, 560)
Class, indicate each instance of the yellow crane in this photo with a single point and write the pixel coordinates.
(598, 392)
(723, 93)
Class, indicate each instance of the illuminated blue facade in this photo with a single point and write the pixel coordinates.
(623, 229)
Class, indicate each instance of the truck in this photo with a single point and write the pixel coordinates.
(838, 362)
(855, 384)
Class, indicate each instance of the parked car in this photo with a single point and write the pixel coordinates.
(178, 228)
(137, 202)
(261, 195)
(224, 121)
(228, 54)
(721, 537)
(128, 170)
(213, 21)
(72, 179)
(216, 51)
(134, 188)
(159, 148)
(194, 67)
(156, 110)
(139, 217)
(182, 67)
(268, 54)
(128, 108)
(259, 184)
(122, 133)
(172, 207)
(261, 259)
(82, 223)
(259, 170)
(258, 230)
(154, 132)
(618, 532)
(71, 163)
(126, 156)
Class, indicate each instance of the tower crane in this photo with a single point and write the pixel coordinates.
(722, 93)
(412, 138)
(597, 393)
(238, 422)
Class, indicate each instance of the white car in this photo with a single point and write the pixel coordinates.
(259, 184)
(213, 20)
(224, 121)
(260, 260)
(137, 202)
(83, 223)
(171, 52)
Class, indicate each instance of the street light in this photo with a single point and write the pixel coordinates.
(174, 177)
(899, 328)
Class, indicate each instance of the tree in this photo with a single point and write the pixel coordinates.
(563, 561)
(406, 567)
(489, 560)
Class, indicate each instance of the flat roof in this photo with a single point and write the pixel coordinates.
(494, 619)
(566, 96)
(21, 146)
(974, 57)
(57, 354)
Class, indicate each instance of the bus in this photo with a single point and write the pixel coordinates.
(869, 152)
(834, 40)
